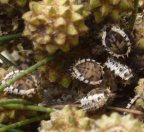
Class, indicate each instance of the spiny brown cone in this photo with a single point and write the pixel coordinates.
(102, 8)
(53, 24)
(117, 123)
(72, 120)
(69, 119)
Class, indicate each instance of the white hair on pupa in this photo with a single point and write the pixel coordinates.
(123, 34)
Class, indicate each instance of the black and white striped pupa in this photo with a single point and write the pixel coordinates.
(96, 99)
(120, 70)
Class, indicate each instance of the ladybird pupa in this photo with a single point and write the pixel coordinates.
(120, 70)
(138, 22)
(96, 99)
(137, 101)
(88, 71)
(26, 86)
(131, 103)
(116, 48)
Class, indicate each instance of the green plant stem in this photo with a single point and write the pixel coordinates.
(28, 107)
(29, 70)
(13, 101)
(12, 130)
(6, 39)
(134, 14)
(22, 123)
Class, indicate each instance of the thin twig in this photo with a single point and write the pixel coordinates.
(22, 123)
(109, 108)
(125, 110)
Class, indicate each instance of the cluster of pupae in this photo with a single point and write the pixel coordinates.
(91, 72)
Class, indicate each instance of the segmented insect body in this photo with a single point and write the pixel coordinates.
(96, 99)
(88, 71)
(26, 86)
(117, 43)
(137, 101)
(120, 70)
(131, 103)
(138, 22)
(138, 26)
